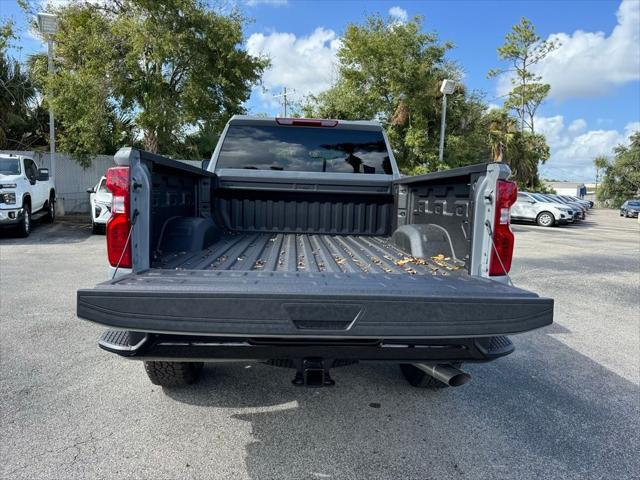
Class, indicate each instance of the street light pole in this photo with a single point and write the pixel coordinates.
(52, 126)
(48, 26)
(447, 88)
(443, 122)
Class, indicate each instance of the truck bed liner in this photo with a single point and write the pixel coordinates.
(308, 253)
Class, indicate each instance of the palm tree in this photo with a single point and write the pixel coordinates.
(17, 96)
(502, 128)
(601, 162)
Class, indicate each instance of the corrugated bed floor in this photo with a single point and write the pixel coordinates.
(308, 253)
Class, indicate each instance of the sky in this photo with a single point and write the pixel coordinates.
(594, 75)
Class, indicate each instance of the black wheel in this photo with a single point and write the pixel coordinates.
(173, 374)
(24, 227)
(95, 228)
(545, 219)
(621, 213)
(419, 379)
(51, 209)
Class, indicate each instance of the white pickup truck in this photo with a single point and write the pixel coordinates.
(26, 192)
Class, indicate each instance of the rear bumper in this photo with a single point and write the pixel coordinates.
(235, 304)
(194, 348)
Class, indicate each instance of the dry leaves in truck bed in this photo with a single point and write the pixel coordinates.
(440, 260)
(416, 261)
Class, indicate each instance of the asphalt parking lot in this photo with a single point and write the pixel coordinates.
(566, 404)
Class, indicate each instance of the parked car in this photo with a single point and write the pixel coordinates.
(586, 203)
(630, 208)
(100, 201)
(26, 193)
(581, 210)
(545, 213)
(301, 246)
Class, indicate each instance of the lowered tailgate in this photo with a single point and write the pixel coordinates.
(303, 304)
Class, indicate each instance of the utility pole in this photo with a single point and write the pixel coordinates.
(284, 96)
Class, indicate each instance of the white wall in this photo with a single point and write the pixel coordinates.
(568, 191)
(72, 180)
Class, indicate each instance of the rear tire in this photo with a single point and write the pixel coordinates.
(545, 219)
(24, 227)
(95, 228)
(173, 374)
(51, 209)
(419, 379)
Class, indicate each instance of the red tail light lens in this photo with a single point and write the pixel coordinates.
(503, 239)
(119, 225)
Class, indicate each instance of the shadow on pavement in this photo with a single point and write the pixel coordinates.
(538, 409)
(67, 229)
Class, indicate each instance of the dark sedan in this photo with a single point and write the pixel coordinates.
(630, 208)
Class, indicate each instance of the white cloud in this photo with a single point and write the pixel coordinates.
(573, 151)
(589, 64)
(302, 64)
(273, 3)
(399, 14)
(577, 126)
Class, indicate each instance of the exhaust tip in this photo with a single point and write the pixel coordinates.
(459, 379)
(446, 373)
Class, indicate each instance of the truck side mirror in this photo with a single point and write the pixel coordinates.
(205, 164)
(43, 174)
(91, 190)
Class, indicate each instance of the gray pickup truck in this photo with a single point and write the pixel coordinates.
(301, 246)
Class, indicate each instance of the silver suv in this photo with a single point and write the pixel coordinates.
(533, 208)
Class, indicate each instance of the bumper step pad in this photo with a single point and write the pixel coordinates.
(122, 341)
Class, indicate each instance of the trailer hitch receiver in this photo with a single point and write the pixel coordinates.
(311, 372)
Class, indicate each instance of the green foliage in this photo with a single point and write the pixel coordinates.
(523, 49)
(622, 176)
(146, 70)
(391, 72)
(22, 120)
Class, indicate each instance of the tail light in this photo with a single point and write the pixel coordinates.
(119, 225)
(503, 239)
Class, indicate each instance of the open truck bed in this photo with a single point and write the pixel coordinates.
(280, 252)
(341, 261)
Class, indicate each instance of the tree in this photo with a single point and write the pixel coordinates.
(523, 49)
(128, 69)
(622, 176)
(21, 117)
(501, 129)
(391, 72)
(601, 162)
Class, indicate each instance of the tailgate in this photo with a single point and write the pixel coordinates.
(340, 305)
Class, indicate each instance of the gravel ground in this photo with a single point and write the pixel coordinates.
(564, 405)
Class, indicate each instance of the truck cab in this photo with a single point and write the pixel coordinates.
(26, 192)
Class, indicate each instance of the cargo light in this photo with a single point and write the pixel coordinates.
(503, 239)
(119, 225)
(307, 122)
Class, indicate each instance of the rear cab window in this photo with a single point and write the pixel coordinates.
(304, 149)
